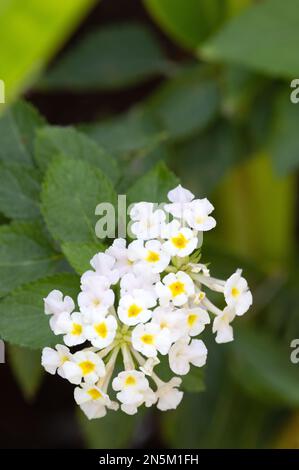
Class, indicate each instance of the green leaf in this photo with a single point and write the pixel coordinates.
(189, 26)
(71, 193)
(80, 254)
(17, 130)
(30, 33)
(128, 135)
(22, 318)
(114, 57)
(25, 255)
(262, 366)
(186, 104)
(53, 140)
(19, 191)
(205, 159)
(153, 186)
(27, 370)
(114, 431)
(283, 141)
(264, 37)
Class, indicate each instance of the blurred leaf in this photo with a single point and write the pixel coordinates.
(187, 103)
(53, 140)
(264, 37)
(257, 210)
(205, 159)
(114, 57)
(114, 431)
(288, 436)
(22, 318)
(19, 191)
(71, 192)
(153, 186)
(80, 254)
(25, 255)
(30, 33)
(194, 380)
(127, 135)
(263, 368)
(284, 141)
(189, 26)
(26, 367)
(17, 129)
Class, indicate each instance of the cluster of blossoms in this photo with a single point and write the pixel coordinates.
(141, 301)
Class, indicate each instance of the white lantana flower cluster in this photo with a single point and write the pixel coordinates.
(140, 301)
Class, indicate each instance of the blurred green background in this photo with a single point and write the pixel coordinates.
(203, 85)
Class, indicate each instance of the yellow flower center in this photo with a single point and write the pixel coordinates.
(134, 310)
(180, 241)
(94, 394)
(96, 302)
(177, 288)
(77, 329)
(101, 329)
(147, 339)
(130, 380)
(87, 367)
(192, 317)
(235, 292)
(152, 257)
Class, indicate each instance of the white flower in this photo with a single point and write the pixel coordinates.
(222, 327)
(120, 253)
(237, 293)
(141, 277)
(84, 365)
(96, 297)
(148, 397)
(134, 308)
(93, 401)
(53, 359)
(180, 198)
(170, 319)
(149, 339)
(72, 327)
(56, 304)
(152, 255)
(182, 354)
(176, 288)
(148, 222)
(130, 386)
(181, 240)
(104, 265)
(196, 318)
(168, 395)
(101, 332)
(197, 215)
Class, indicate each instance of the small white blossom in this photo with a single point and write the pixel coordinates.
(55, 304)
(120, 253)
(152, 254)
(130, 386)
(180, 198)
(182, 354)
(197, 215)
(104, 265)
(176, 288)
(196, 318)
(149, 339)
(72, 327)
(102, 330)
(93, 401)
(222, 327)
(84, 365)
(237, 293)
(148, 222)
(53, 359)
(141, 277)
(96, 297)
(171, 320)
(135, 308)
(168, 395)
(182, 241)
